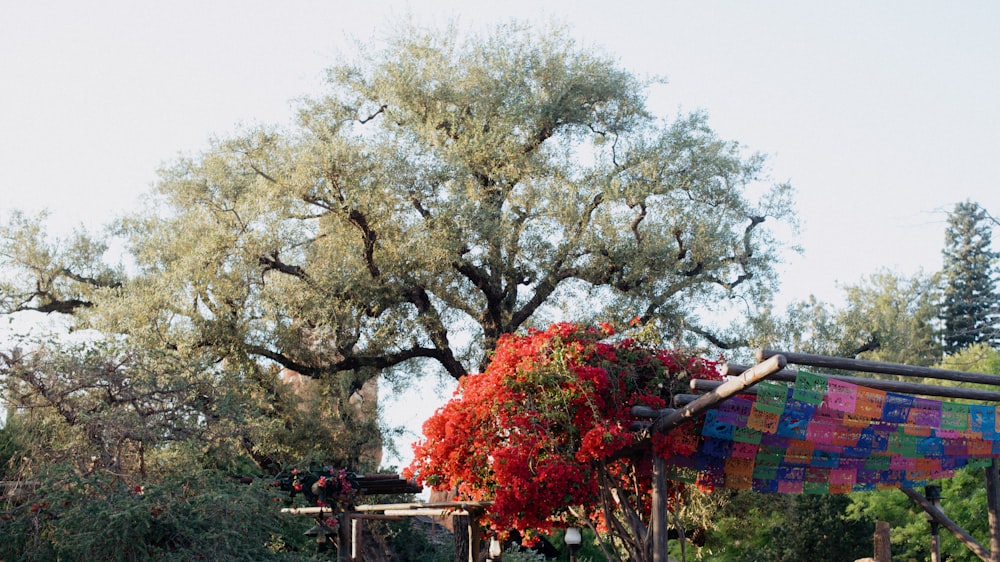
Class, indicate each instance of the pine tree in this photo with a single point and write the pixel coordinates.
(970, 308)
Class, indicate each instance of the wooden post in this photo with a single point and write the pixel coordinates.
(467, 538)
(935, 542)
(344, 537)
(357, 542)
(460, 529)
(946, 522)
(475, 538)
(993, 508)
(658, 515)
(883, 547)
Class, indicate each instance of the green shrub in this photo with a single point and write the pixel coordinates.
(197, 515)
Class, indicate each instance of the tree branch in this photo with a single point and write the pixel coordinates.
(717, 341)
(91, 280)
(273, 263)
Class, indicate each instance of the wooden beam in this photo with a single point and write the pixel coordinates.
(960, 533)
(729, 388)
(428, 512)
(306, 510)
(787, 375)
(647, 412)
(993, 508)
(459, 505)
(880, 367)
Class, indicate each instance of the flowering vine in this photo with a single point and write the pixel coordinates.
(545, 431)
(335, 488)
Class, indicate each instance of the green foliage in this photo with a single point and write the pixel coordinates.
(886, 317)
(963, 499)
(410, 542)
(976, 358)
(784, 528)
(971, 305)
(184, 515)
(521, 555)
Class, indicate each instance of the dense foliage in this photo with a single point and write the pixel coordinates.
(971, 307)
(885, 316)
(179, 511)
(751, 527)
(545, 433)
(445, 186)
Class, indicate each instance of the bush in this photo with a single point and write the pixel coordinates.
(198, 515)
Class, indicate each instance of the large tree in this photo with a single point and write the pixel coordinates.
(447, 190)
(971, 307)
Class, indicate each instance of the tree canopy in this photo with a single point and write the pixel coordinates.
(885, 317)
(447, 190)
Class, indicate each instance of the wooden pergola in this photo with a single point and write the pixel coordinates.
(350, 529)
(772, 365)
(741, 381)
(350, 520)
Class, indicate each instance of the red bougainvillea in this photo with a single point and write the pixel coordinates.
(545, 431)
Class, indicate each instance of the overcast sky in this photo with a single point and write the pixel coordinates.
(883, 115)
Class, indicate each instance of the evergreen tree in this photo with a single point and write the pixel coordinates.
(969, 311)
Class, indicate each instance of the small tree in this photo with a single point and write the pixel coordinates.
(970, 307)
(545, 434)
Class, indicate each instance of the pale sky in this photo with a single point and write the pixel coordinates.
(883, 115)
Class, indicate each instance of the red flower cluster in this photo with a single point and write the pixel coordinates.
(552, 407)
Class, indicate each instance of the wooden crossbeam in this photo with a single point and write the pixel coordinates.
(729, 388)
(879, 367)
(905, 387)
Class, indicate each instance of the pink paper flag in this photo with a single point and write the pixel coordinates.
(841, 396)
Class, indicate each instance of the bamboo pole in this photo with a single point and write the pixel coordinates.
(880, 367)
(960, 533)
(905, 387)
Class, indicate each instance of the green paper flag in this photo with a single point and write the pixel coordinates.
(954, 416)
(809, 388)
(771, 397)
